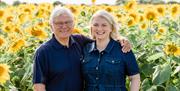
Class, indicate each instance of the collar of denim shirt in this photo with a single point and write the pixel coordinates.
(110, 45)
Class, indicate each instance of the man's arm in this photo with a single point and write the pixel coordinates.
(126, 45)
(39, 70)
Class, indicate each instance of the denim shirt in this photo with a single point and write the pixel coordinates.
(107, 70)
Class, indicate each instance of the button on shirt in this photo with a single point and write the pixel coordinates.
(58, 66)
(107, 70)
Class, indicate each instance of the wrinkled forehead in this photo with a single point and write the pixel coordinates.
(63, 17)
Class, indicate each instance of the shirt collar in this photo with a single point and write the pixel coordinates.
(58, 45)
(107, 49)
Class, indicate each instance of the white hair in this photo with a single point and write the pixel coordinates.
(104, 14)
(58, 10)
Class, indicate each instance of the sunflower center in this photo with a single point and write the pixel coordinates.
(172, 48)
(1, 71)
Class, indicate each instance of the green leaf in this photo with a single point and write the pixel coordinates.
(147, 69)
(155, 56)
(171, 88)
(145, 84)
(153, 88)
(161, 74)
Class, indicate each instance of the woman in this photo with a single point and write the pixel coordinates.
(104, 67)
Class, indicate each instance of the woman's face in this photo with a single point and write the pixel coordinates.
(101, 28)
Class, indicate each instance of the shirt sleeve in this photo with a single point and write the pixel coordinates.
(39, 67)
(131, 64)
(83, 40)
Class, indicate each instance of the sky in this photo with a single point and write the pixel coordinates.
(71, 1)
(64, 1)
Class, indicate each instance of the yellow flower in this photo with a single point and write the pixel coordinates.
(134, 15)
(131, 22)
(4, 73)
(17, 45)
(161, 10)
(162, 30)
(93, 1)
(109, 9)
(75, 30)
(131, 5)
(158, 36)
(8, 27)
(172, 49)
(151, 15)
(38, 32)
(2, 41)
(9, 18)
(1, 13)
(174, 10)
(143, 26)
(141, 18)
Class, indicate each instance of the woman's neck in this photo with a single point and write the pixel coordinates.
(101, 44)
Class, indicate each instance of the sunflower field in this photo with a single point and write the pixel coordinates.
(153, 30)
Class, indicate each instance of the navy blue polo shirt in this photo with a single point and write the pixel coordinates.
(58, 66)
(107, 70)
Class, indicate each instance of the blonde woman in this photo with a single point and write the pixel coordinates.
(104, 67)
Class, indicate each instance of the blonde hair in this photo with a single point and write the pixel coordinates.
(58, 10)
(104, 14)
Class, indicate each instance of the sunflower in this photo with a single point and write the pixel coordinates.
(141, 18)
(8, 27)
(143, 26)
(38, 32)
(172, 49)
(131, 5)
(93, 1)
(74, 10)
(1, 13)
(162, 30)
(158, 36)
(134, 15)
(2, 41)
(9, 18)
(109, 9)
(161, 10)
(4, 73)
(151, 15)
(76, 30)
(131, 22)
(174, 10)
(17, 45)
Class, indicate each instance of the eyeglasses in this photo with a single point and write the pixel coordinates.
(69, 23)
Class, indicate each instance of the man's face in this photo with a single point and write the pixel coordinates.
(62, 26)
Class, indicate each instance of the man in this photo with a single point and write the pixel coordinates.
(58, 61)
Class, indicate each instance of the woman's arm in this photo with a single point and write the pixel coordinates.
(135, 82)
(39, 87)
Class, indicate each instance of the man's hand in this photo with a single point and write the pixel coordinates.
(126, 46)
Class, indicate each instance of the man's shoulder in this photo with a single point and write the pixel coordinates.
(44, 46)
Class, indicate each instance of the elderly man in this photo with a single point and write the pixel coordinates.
(57, 62)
